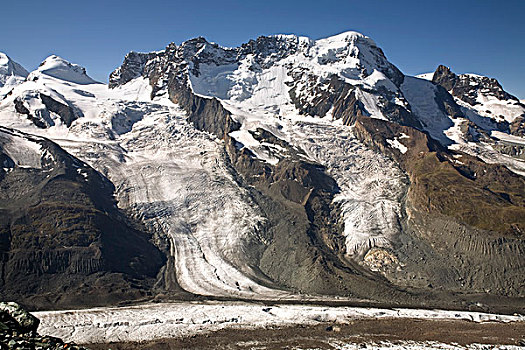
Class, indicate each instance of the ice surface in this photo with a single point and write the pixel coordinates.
(371, 186)
(168, 320)
(169, 174)
(176, 179)
(420, 94)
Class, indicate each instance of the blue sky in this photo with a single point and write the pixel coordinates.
(477, 36)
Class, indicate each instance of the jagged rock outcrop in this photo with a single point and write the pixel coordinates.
(18, 330)
(132, 67)
(467, 86)
(485, 101)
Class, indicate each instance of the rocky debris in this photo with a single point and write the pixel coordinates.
(18, 330)
(517, 151)
(336, 329)
(15, 317)
(377, 259)
(460, 210)
(517, 127)
(473, 133)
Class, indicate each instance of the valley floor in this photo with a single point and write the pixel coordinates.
(359, 334)
(244, 325)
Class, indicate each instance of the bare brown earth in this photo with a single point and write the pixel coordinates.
(363, 331)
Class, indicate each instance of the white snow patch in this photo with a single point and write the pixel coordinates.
(396, 144)
(426, 76)
(508, 138)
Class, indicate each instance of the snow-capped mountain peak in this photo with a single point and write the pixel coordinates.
(8, 68)
(59, 68)
(11, 74)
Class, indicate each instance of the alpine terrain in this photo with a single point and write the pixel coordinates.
(285, 169)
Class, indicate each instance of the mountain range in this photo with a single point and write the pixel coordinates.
(283, 169)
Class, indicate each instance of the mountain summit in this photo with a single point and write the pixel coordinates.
(11, 74)
(57, 67)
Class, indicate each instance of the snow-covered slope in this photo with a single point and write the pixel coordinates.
(57, 67)
(11, 74)
(426, 76)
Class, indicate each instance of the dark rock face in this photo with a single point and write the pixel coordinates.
(20, 108)
(66, 113)
(206, 114)
(18, 330)
(446, 102)
(517, 127)
(132, 67)
(63, 242)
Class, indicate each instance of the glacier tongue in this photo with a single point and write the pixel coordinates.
(174, 178)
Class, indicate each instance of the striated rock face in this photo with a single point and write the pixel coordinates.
(18, 330)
